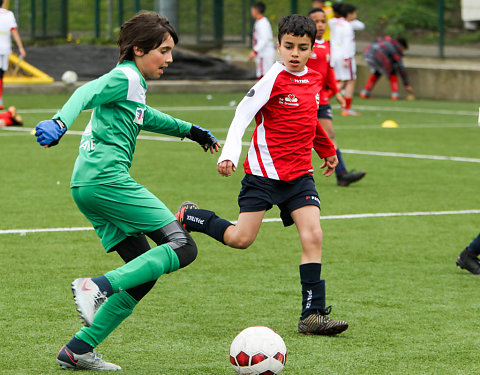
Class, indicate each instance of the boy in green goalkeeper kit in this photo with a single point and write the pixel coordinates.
(122, 212)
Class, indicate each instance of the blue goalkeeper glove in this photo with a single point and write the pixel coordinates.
(202, 136)
(49, 132)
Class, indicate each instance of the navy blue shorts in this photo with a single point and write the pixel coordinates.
(324, 111)
(261, 193)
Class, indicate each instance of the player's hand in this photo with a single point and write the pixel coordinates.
(346, 63)
(252, 55)
(204, 138)
(340, 100)
(226, 167)
(330, 163)
(49, 132)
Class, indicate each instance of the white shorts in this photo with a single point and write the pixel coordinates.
(345, 73)
(264, 62)
(4, 62)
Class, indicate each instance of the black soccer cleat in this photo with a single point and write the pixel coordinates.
(180, 214)
(469, 262)
(350, 177)
(319, 323)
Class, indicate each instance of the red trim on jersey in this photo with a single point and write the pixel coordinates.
(13, 28)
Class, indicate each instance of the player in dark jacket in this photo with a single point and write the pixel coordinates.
(384, 56)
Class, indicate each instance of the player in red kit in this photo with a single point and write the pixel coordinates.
(278, 166)
(320, 61)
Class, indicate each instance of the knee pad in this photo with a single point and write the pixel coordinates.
(179, 240)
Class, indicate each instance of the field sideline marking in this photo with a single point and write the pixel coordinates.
(232, 108)
(347, 151)
(272, 220)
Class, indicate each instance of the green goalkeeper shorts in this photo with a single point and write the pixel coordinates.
(121, 210)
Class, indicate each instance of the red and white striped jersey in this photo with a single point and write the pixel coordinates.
(320, 61)
(284, 105)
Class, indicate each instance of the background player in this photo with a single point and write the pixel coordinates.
(320, 61)
(384, 56)
(278, 166)
(342, 41)
(8, 28)
(468, 258)
(122, 211)
(328, 10)
(262, 40)
(10, 118)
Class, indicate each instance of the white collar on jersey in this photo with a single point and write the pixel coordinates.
(298, 74)
(320, 41)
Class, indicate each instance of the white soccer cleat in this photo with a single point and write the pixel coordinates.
(88, 299)
(88, 361)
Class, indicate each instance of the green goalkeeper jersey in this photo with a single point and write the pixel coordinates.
(119, 113)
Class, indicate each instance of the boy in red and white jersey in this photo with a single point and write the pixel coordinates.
(320, 61)
(263, 50)
(342, 41)
(8, 28)
(278, 167)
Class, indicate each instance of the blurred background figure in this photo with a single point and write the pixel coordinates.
(342, 42)
(263, 50)
(8, 29)
(384, 56)
(10, 118)
(328, 10)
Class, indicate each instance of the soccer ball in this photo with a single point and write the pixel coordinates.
(69, 77)
(258, 350)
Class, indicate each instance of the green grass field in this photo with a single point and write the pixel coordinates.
(394, 279)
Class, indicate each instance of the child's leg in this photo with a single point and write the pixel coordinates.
(349, 88)
(394, 86)
(372, 81)
(474, 247)
(118, 307)
(313, 319)
(239, 236)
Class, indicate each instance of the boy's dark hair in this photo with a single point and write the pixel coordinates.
(1, 3)
(403, 42)
(346, 9)
(337, 9)
(146, 30)
(260, 6)
(315, 10)
(297, 25)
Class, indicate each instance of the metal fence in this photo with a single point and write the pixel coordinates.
(199, 21)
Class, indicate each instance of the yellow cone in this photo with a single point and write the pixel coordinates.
(389, 124)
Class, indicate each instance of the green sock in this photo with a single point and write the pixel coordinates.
(147, 267)
(115, 310)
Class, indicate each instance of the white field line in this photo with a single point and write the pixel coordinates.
(347, 151)
(232, 108)
(272, 220)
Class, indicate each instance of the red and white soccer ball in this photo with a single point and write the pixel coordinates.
(258, 350)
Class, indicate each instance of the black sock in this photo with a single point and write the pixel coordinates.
(205, 221)
(79, 346)
(313, 289)
(340, 169)
(104, 285)
(474, 247)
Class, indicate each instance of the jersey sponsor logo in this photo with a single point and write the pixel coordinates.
(313, 55)
(251, 93)
(296, 80)
(88, 144)
(290, 100)
(139, 113)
